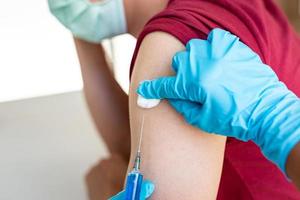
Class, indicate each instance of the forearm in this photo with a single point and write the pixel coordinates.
(107, 102)
(293, 165)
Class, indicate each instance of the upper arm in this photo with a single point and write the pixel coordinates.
(182, 161)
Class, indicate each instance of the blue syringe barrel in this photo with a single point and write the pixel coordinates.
(133, 185)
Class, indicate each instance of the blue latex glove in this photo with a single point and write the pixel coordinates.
(221, 86)
(146, 192)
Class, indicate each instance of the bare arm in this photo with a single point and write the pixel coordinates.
(182, 161)
(107, 101)
(293, 165)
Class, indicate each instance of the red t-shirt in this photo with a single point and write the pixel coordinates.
(247, 174)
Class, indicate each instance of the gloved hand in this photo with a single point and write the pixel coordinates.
(146, 191)
(92, 22)
(221, 86)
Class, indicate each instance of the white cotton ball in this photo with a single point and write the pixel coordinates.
(147, 103)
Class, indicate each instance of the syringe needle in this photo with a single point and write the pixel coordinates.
(137, 161)
(141, 134)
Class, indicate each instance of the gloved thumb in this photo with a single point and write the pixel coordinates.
(146, 191)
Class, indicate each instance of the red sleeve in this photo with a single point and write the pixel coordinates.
(259, 24)
(247, 174)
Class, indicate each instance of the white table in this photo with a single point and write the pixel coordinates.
(46, 146)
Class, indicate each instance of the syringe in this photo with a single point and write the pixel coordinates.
(135, 178)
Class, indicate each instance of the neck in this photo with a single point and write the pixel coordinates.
(138, 12)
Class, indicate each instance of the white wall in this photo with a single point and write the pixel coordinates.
(37, 55)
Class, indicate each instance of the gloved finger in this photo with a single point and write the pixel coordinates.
(187, 109)
(119, 196)
(232, 48)
(221, 38)
(195, 47)
(161, 88)
(198, 47)
(147, 189)
(244, 53)
(179, 60)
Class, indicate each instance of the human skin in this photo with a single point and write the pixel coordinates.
(106, 178)
(104, 96)
(108, 103)
(172, 151)
(204, 152)
(99, 83)
(293, 165)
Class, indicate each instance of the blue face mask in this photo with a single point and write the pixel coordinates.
(92, 22)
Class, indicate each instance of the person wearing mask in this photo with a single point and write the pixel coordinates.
(218, 167)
